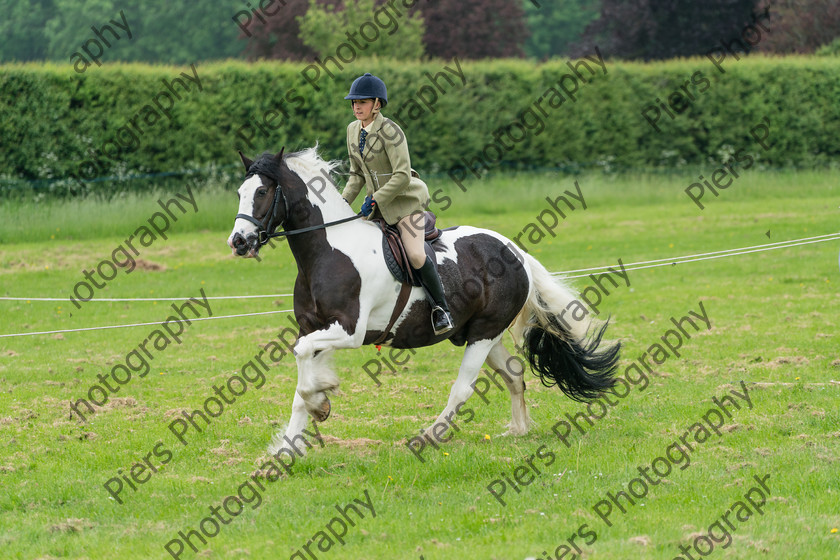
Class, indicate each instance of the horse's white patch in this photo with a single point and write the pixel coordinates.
(362, 243)
(315, 373)
(360, 240)
(247, 191)
(334, 336)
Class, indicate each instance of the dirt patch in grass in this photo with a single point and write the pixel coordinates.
(358, 443)
(770, 385)
(72, 525)
(143, 264)
(642, 540)
(114, 403)
(784, 360)
(194, 479)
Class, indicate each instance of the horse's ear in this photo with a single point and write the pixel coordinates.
(247, 162)
(279, 156)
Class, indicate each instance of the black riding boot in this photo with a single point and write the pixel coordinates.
(441, 318)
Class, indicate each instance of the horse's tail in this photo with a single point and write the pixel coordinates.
(556, 345)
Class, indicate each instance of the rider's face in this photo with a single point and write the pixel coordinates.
(364, 109)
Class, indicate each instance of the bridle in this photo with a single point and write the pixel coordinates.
(267, 224)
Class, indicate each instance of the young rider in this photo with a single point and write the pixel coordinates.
(379, 161)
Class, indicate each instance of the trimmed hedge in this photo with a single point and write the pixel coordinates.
(57, 124)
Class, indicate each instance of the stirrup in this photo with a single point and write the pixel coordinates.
(439, 326)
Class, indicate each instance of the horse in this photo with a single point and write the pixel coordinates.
(345, 296)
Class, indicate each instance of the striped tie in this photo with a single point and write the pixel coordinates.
(362, 137)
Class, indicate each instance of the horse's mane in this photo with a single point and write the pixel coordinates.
(307, 164)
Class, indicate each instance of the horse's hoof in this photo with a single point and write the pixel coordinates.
(325, 410)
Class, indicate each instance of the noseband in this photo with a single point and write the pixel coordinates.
(267, 224)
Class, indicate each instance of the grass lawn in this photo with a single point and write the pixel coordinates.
(773, 318)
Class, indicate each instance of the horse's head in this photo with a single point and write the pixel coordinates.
(294, 191)
(262, 204)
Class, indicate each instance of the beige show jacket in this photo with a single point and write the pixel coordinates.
(385, 170)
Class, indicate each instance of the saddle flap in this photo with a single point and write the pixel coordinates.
(394, 251)
(432, 232)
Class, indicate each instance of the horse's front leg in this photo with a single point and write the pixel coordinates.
(313, 353)
(316, 376)
(290, 439)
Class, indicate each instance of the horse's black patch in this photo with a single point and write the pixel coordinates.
(327, 286)
(485, 291)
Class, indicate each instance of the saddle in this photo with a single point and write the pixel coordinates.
(397, 260)
(394, 250)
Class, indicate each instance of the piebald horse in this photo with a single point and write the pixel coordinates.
(344, 296)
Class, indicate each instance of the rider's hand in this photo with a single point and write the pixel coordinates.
(368, 205)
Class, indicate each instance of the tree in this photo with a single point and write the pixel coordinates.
(474, 28)
(69, 25)
(22, 29)
(279, 37)
(556, 26)
(380, 30)
(659, 29)
(801, 26)
(181, 33)
(161, 31)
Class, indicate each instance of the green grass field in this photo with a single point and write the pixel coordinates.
(773, 326)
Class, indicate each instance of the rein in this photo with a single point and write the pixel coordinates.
(268, 222)
(311, 228)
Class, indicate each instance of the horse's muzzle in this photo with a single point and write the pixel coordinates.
(244, 247)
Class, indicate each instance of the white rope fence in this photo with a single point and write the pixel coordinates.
(142, 324)
(632, 266)
(706, 256)
(142, 298)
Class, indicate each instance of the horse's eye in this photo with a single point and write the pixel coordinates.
(261, 192)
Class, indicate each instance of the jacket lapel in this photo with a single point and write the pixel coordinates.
(373, 136)
(370, 141)
(357, 129)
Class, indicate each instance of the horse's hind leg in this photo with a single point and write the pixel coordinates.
(512, 371)
(474, 357)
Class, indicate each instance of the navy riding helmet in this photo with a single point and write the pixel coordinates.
(368, 87)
